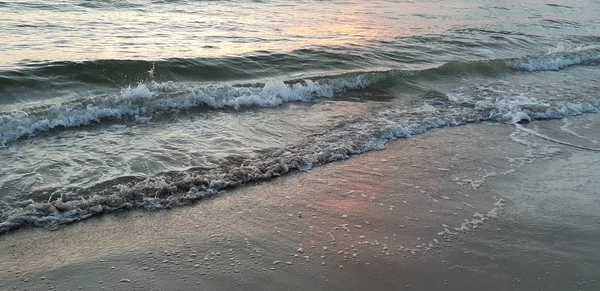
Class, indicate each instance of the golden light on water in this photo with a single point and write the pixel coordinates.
(206, 31)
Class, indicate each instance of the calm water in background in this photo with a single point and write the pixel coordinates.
(109, 105)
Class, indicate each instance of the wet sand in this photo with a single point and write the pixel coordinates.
(477, 207)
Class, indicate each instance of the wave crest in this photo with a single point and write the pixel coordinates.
(144, 100)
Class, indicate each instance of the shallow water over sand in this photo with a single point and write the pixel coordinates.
(494, 208)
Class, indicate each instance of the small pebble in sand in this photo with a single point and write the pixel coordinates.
(276, 262)
(125, 281)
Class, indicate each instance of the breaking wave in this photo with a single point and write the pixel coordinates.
(144, 100)
(353, 138)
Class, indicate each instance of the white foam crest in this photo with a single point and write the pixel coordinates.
(144, 99)
(270, 95)
(136, 94)
(19, 124)
(276, 93)
(514, 108)
(558, 58)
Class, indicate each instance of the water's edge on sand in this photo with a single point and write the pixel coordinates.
(476, 207)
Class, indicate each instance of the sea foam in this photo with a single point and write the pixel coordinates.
(352, 139)
(520, 107)
(363, 135)
(558, 58)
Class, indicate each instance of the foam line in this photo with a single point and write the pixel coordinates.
(545, 137)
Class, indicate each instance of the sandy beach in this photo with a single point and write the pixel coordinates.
(300, 145)
(477, 207)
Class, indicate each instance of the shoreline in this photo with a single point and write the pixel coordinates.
(420, 214)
